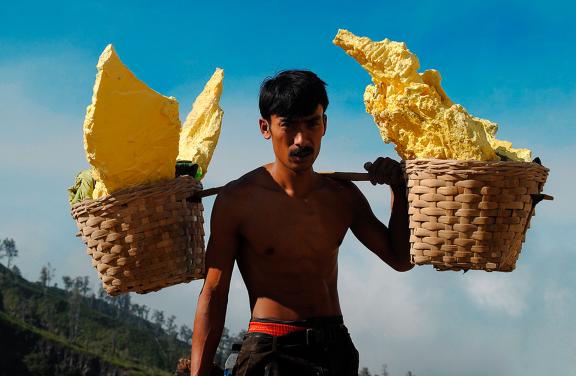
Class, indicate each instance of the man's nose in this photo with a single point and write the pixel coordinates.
(300, 138)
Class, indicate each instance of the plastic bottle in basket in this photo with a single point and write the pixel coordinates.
(231, 361)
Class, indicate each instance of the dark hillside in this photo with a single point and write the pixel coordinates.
(29, 351)
(48, 329)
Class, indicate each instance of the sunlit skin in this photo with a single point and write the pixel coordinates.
(283, 225)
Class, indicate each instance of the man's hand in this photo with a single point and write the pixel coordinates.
(385, 171)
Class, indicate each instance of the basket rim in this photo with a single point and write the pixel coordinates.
(179, 180)
(468, 162)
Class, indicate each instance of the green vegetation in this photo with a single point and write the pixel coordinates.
(33, 351)
(48, 331)
(46, 326)
(8, 250)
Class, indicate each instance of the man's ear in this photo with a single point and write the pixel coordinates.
(265, 128)
(325, 118)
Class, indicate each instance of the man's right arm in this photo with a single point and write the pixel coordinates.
(213, 299)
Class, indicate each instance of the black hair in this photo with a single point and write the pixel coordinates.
(292, 93)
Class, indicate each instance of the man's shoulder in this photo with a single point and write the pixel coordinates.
(233, 199)
(345, 188)
(244, 185)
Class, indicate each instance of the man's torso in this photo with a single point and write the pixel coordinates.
(288, 246)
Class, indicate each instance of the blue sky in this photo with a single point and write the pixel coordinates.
(510, 62)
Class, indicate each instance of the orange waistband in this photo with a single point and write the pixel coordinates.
(273, 329)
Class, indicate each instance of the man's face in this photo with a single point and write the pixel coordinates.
(296, 141)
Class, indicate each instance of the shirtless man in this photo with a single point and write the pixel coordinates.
(283, 224)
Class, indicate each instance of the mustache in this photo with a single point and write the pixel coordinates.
(302, 152)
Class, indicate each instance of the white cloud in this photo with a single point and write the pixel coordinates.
(558, 300)
(379, 301)
(497, 292)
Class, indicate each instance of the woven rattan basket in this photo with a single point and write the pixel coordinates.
(145, 238)
(471, 214)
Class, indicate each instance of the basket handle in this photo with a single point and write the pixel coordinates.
(537, 197)
(351, 176)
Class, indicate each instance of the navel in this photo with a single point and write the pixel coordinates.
(269, 251)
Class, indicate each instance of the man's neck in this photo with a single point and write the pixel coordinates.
(294, 183)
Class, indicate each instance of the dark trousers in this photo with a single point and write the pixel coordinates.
(324, 349)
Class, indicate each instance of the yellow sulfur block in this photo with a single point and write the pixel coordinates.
(412, 110)
(201, 129)
(131, 132)
(99, 190)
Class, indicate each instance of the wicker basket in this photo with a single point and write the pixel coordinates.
(145, 238)
(470, 214)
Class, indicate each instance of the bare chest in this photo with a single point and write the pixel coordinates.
(285, 227)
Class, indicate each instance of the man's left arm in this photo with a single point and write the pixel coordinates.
(392, 243)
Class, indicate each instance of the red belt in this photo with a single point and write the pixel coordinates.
(273, 329)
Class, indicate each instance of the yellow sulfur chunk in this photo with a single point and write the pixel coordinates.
(412, 110)
(201, 129)
(99, 190)
(131, 132)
